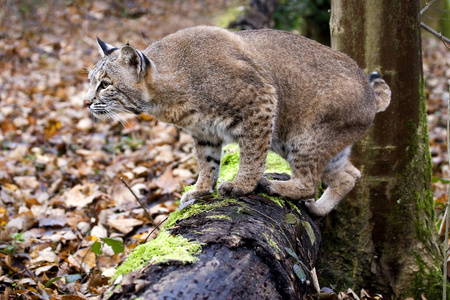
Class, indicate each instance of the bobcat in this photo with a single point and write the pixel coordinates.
(265, 89)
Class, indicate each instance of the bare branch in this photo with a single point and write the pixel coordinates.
(156, 227)
(138, 200)
(426, 7)
(446, 43)
(431, 30)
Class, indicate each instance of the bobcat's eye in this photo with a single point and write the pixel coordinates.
(103, 85)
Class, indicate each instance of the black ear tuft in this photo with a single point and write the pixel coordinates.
(105, 49)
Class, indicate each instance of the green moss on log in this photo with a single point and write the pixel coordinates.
(195, 208)
(230, 163)
(219, 217)
(272, 243)
(167, 247)
(276, 164)
(164, 248)
(276, 199)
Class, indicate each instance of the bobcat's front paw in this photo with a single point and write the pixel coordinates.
(192, 195)
(227, 188)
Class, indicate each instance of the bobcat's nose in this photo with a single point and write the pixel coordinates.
(87, 102)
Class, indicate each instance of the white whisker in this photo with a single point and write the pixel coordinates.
(119, 110)
(124, 109)
(124, 120)
(115, 117)
(121, 119)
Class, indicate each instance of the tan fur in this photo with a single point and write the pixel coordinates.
(382, 94)
(263, 89)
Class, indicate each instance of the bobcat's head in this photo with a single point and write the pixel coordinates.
(119, 82)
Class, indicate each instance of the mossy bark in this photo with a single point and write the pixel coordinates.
(251, 249)
(382, 237)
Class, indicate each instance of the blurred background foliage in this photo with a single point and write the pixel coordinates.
(309, 17)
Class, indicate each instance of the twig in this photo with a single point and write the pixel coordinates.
(171, 166)
(446, 44)
(426, 7)
(157, 226)
(138, 200)
(82, 260)
(431, 30)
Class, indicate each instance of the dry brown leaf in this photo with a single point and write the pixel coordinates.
(6, 279)
(45, 255)
(50, 222)
(124, 226)
(105, 262)
(81, 195)
(10, 186)
(72, 297)
(84, 124)
(40, 270)
(16, 223)
(99, 232)
(140, 171)
(83, 258)
(159, 208)
(122, 197)
(27, 182)
(167, 182)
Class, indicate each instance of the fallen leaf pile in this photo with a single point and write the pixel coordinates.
(66, 219)
(436, 65)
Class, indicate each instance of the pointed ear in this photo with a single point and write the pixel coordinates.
(105, 49)
(134, 58)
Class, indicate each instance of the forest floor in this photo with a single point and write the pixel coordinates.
(60, 170)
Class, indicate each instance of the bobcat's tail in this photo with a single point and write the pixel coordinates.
(382, 91)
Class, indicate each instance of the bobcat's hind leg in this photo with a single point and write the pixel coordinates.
(340, 176)
(306, 169)
(208, 156)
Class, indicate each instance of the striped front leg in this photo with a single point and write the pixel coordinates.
(208, 160)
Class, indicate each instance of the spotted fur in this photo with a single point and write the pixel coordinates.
(264, 89)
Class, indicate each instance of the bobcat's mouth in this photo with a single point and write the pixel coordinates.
(105, 113)
(98, 111)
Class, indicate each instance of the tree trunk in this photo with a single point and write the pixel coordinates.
(382, 238)
(249, 250)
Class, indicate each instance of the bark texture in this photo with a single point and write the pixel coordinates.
(382, 237)
(243, 256)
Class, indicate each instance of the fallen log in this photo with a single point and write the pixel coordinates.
(253, 247)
